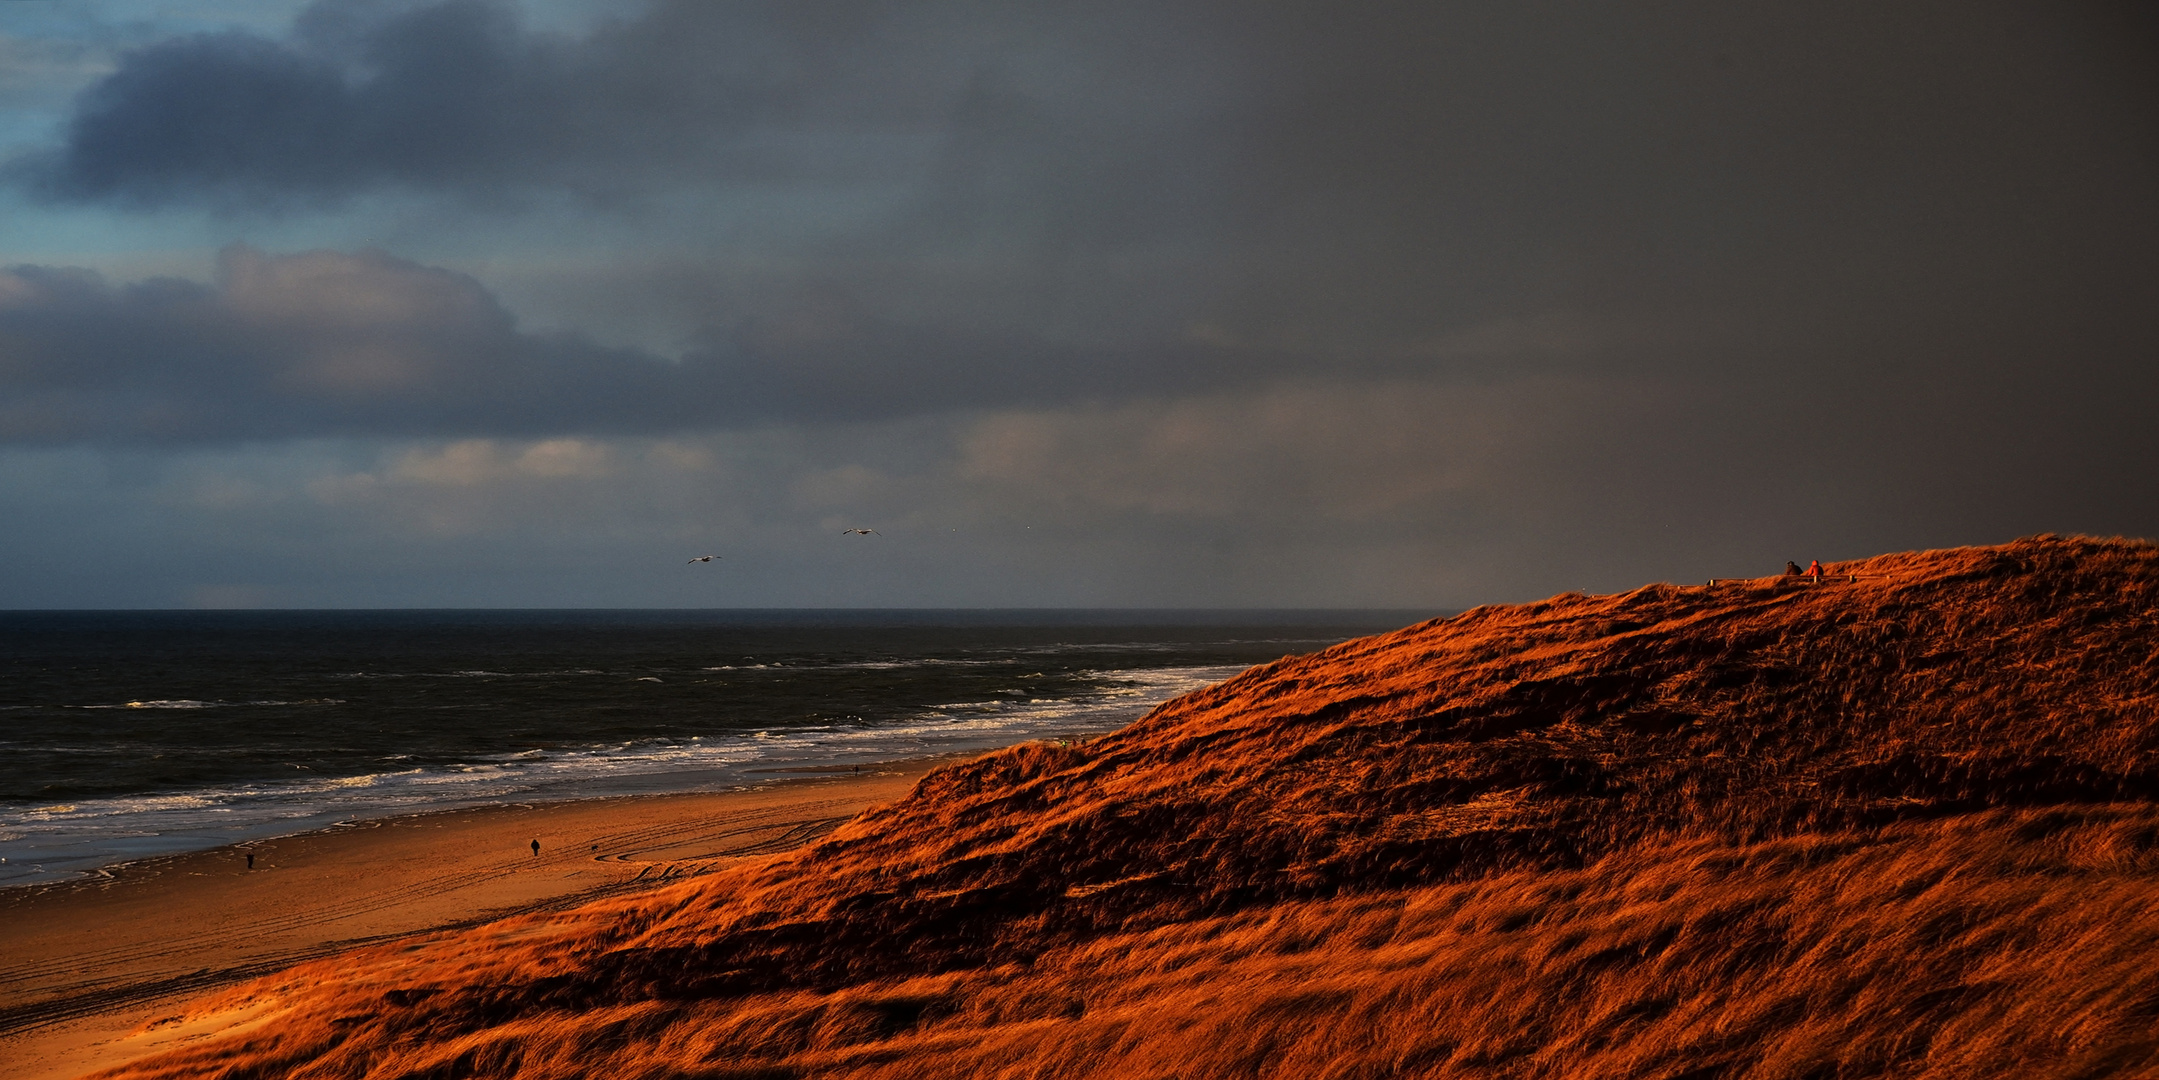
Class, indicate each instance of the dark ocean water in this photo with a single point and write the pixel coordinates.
(127, 734)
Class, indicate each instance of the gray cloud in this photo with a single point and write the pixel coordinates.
(458, 97)
(366, 95)
(1905, 253)
(1338, 179)
(1387, 494)
(288, 346)
(324, 343)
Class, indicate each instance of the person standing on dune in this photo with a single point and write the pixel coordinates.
(535, 849)
(1814, 569)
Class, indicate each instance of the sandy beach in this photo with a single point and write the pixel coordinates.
(85, 963)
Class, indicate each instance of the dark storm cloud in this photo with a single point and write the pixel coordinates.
(324, 343)
(458, 97)
(1903, 205)
(309, 344)
(366, 95)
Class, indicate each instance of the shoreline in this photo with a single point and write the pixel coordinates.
(47, 854)
(759, 779)
(87, 961)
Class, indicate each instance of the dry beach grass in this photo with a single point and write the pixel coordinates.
(1905, 825)
(85, 961)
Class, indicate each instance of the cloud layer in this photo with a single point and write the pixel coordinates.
(895, 208)
(329, 344)
(295, 346)
(1238, 304)
(459, 96)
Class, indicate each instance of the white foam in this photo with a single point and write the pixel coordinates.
(69, 839)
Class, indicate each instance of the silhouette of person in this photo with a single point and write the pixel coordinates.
(251, 860)
(535, 849)
(1791, 569)
(1814, 569)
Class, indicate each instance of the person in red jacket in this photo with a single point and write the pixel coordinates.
(1814, 569)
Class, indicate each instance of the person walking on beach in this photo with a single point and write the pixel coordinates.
(251, 860)
(535, 849)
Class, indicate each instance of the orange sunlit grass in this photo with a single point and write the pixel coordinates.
(1902, 825)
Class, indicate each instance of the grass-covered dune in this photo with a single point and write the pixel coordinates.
(1905, 825)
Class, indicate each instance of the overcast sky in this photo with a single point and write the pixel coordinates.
(470, 303)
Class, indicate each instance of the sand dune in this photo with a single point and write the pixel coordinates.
(1905, 824)
(83, 963)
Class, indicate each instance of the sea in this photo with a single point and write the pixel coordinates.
(129, 735)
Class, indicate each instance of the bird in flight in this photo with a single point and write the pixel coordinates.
(864, 532)
(704, 558)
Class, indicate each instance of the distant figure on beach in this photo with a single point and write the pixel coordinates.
(535, 849)
(251, 860)
(1791, 569)
(1814, 570)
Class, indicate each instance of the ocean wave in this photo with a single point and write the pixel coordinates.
(190, 703)
(813, 664)
(60, 839)
(176, 703)
(902, 665)
(473, 674)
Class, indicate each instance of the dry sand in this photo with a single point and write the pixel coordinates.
(84, 964)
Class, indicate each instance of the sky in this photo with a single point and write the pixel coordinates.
(487, 303)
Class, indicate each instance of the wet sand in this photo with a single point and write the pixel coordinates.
(84, 964)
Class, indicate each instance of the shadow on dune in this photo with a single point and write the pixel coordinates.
(1905, 825)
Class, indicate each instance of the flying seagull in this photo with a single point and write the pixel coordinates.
(704, 558)
(865, 532)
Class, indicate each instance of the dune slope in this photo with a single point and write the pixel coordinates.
(1902, 825)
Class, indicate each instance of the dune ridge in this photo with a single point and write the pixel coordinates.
(1904, 825)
